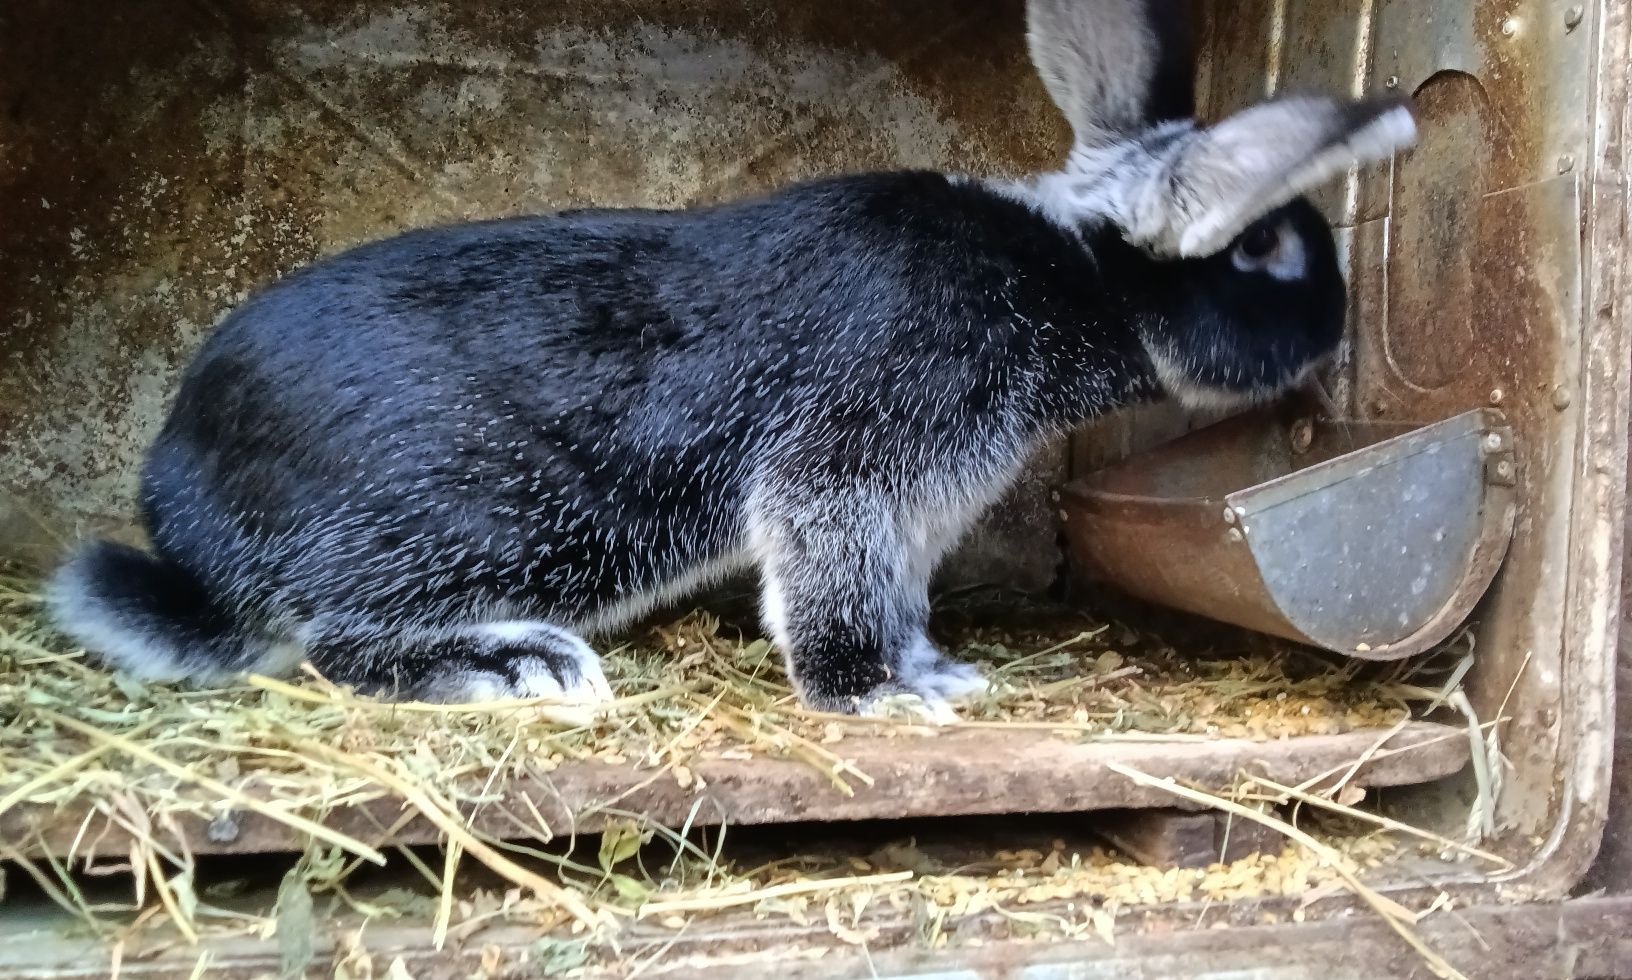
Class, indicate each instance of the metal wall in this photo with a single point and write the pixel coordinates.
(161, 158)
(1470, 268)
(1484, 271)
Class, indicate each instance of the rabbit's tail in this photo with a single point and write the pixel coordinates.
(152, 618)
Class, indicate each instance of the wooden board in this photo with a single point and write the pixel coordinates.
(1172, 838)
(1583, 937)
(952, 772)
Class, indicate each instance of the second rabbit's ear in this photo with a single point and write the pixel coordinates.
(1098, 59)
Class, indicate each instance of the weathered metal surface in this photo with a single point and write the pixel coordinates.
(954, 773)
(1356, 537)
(162, 158)
(1476, 301)
(1612, 870)
(1600, 531)
(1484, 272)
(1608, 289)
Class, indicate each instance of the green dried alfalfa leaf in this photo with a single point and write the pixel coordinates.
(555, 956)
(621, 840)
(296, 925)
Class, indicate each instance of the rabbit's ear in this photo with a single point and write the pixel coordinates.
(1098, 59)
(1115, 67)
(1212, 183)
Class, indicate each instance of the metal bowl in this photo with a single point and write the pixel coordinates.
(1371, 539)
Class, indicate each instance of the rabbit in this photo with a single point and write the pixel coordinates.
(433, 465)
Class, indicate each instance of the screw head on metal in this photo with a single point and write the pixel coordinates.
(1566, 163)
(1234, 534)
(1510, 27)
(1572, 17)
(1303, 435)
(1504, 469)
(1561, 397)
(1496, 396)
(1393, 81)
(1229, 515)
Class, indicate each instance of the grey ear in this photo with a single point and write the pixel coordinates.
(1173, 187)
(1188, 193)
(1097, 58)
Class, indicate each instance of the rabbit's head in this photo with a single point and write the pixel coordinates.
(1234, 276)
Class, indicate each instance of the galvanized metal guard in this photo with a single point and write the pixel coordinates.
(1377, 552)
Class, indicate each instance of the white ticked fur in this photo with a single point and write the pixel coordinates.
(1185, 192)
(1176, 381)
(1110, 180)
(82, 614)
(1270, 154)
(535, 676)
(852, 552)
(1053, 196)
(630, 608)
(917, 531)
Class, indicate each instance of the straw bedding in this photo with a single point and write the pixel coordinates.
(73, 736)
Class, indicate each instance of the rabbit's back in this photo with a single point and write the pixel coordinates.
(569, 411)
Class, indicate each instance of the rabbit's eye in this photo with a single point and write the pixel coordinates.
(1259, 242)
(1272, 249)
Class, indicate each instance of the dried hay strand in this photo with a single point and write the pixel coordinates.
(138, 756)
(1397, 917)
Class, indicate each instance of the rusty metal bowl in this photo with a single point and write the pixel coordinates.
(1367, 538)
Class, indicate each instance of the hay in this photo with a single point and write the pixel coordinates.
(1398, 918)
(74, 735)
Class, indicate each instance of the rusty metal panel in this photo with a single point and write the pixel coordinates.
(1612, 871)
(1608, 294)
(1478, 302)
(162, 158)
(1474, 263)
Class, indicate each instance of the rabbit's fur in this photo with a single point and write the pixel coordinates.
(432, 463)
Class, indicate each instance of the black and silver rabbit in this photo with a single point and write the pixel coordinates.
(431, 465)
